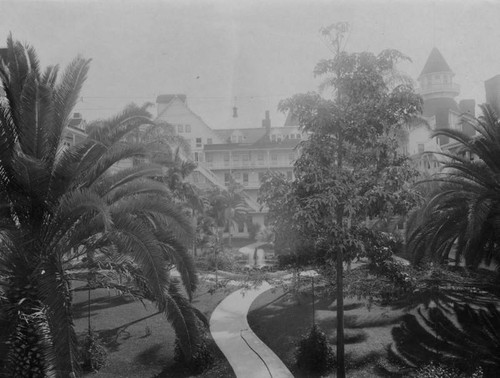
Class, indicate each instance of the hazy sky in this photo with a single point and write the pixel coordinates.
(249, 53)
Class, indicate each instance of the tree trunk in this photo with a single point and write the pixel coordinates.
(340, 315)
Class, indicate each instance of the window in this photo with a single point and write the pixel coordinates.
(260, 156)
(291, 156)
(246, 157)
(240, 139)
(236, 157)
(274, 157)
(261, 176)
(226, 156)
(180, 128)
(196, 156)
(420, 148)
(198, 142)
(289, 175)
(227, 178)
(209, 140)
(188, 128)
(245, 178)
(209, 158)
(273, 138)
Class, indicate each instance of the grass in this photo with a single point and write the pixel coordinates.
(139, 341)
(281, 319)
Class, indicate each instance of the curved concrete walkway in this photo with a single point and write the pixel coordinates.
(247, 354)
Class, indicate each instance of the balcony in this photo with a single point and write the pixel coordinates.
(247, 164)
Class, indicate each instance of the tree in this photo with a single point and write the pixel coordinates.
(58, 203)
(349, 167)
(229, 206)
(462, 217)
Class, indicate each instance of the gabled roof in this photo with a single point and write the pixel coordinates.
(435, 63)
(166, 98)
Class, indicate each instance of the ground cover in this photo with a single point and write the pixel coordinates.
(139, 341)
(280, 319)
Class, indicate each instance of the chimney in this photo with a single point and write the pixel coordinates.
(235, 112)
(266, 122)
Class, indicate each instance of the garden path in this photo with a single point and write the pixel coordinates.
(247, 354)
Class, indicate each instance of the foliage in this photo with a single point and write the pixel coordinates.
(452, 332)
(61, 203)
(433, 370)
(349, 167)
(94, 355)
(462, 217)
(221, 260)
(203, 356)
(313, 352)
(228, 207)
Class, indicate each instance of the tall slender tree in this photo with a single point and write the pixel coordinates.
(57, 203)
(349, 167)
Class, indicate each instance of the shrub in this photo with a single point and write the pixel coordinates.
(203, 356)
(313, 352)
(433, 370)
(222, 261)
(94, 355)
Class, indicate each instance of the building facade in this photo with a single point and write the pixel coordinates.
(237, 154)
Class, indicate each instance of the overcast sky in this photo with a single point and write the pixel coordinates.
(246, 53)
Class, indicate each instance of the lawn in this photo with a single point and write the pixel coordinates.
(280, 319)
(139, 341)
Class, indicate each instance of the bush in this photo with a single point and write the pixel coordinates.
(202, 358)
(222, 261)
(313, 352)
(433, 370)
(94, 355)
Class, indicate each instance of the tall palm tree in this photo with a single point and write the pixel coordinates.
(463, 215)
(229, 206)
(57, 203)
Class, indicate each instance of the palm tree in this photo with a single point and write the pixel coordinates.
(463, 215)
(59, 203)
(229, 206)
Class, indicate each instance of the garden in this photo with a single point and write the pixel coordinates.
(112, 272)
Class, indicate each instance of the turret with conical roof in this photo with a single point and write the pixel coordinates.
(436, 78)
(438, 91)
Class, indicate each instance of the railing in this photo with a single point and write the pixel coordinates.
(248, 164)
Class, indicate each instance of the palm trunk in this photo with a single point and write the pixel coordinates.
(30, 342)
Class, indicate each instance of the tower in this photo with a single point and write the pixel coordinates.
(438, 91)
